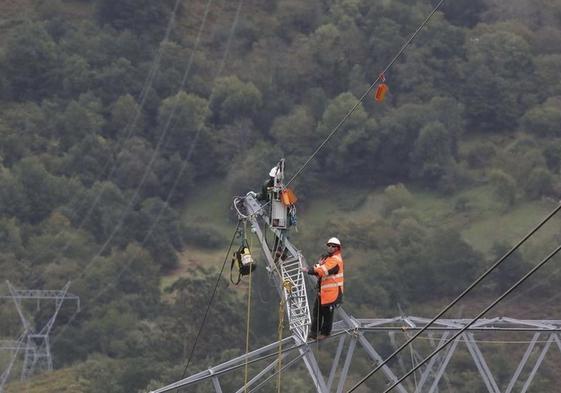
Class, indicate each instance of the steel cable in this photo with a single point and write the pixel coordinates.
(456, 335)
(210, 302)
(380, 76)
(464, 293)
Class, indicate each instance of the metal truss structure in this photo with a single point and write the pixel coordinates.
(270, 222)
(35, 338)
(13, 347)
(350, 334)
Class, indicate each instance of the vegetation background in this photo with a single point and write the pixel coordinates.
(123, 138)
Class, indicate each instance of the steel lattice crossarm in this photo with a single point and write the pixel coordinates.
(8, 345)
(41, 294)
(37, 351)
(350, 333)
(492, 324)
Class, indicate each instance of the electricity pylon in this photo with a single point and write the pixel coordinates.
(350, 334)
(35, 340)
(270, 222)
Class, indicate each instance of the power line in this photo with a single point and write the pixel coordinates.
(464, 293)
(176, 181)
(380, 77)
(161, 138)
(210, 302)
(130, 126)
(456, 335)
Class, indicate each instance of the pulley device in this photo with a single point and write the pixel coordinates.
(242, 259)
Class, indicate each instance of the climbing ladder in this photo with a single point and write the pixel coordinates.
(284, 263)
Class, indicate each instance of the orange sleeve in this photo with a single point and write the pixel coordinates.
(323, 270)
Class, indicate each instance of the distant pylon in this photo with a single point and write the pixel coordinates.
(35, 340)
(14, 347)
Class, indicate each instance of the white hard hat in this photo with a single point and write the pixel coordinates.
(273, 171)
(335, 241)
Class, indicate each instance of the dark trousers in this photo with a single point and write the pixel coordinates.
(322, 319)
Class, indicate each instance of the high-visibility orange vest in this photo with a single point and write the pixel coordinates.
(330, 283)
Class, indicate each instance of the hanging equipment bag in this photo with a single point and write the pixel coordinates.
(243, 259)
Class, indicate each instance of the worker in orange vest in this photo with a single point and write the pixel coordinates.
(329, 271)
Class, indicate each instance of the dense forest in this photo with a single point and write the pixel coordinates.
(115, 114)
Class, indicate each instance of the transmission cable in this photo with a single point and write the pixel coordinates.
(469, 324)
(380, 77)
(152, 159)
(210, 302)
(129, 129)
(176, 181)
(464, 293)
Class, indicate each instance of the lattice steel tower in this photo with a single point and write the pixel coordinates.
(35, 340)
(270, 221)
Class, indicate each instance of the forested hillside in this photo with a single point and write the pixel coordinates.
(117, 118)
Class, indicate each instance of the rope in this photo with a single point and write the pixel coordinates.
(457, 299)
(248, 316)
(287, 286)
(456, 335)
(210, 302)
(279, 331)
(361, 99)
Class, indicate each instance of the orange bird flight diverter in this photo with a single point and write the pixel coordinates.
(381, 89)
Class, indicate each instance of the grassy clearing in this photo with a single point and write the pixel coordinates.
(59, 381)
(475, 212)
(509, 227)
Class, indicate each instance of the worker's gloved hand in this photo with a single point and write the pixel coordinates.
(305, 269)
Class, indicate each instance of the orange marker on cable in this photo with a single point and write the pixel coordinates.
(381, 90)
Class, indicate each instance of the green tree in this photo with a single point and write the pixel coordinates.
(135, 167)
(432, 155)
(232, 99)
(159, 224)
(545, 119)
(42, 191)
(80, 119)
(141, 16)
(98, 209)
(30, 62)
(397, 196)
(295, 132)
(185, 316)
(465, 12)
(116, 79)
(357, 138)
(498, 63)
(126, 117)
(181, 117)
(549, 75)
(77, 75)
(539, 183)
(504, 186)
(22, 132)
(295, 17)
(552, 155)
(90, 159)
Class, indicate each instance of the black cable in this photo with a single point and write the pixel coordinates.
(210, 301)
(391, 63)
(457, 299)
(490, 306)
